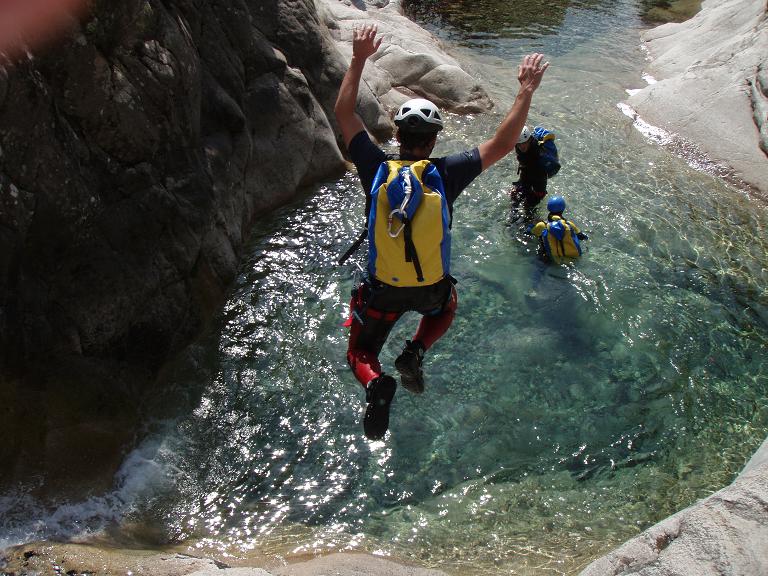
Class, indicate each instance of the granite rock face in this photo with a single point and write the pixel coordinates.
(134, 155)
(410, 62)
(712, 84)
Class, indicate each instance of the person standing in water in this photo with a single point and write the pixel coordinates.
(538, 161)
(409, 242)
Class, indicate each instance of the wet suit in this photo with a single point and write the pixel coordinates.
(379, 305)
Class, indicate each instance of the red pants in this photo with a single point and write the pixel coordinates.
(376, 308)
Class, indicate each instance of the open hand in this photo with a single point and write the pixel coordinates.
(531, 70)
(364, 41)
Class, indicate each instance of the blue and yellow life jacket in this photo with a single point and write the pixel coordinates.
(559, 237)
(409, 236)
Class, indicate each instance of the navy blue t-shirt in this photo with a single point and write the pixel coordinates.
(456, 170)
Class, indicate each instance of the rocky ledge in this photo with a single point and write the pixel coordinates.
(712, 85)
(41, 558)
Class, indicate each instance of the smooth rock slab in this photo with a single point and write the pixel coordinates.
(410, 62)
(709, 84)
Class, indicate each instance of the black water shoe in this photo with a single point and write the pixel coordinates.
(409, 366)
(378, 394)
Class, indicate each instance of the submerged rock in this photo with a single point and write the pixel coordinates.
(661, 11)
(353, 565)
(722, 534)
(59, 558)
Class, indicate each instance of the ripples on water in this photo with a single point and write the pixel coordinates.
(566, 409)
(478, 21)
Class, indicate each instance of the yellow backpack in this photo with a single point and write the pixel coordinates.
(560, 239)
(409, 236)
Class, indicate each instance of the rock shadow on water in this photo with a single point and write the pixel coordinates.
(481, 19)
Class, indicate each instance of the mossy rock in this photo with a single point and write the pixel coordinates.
(660, 12)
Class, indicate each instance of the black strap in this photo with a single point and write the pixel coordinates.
(352, 249)
(410, 250)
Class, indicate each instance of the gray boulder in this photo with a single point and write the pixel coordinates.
(711, 87)
(410, 62)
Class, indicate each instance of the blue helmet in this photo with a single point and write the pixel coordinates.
(556, 204)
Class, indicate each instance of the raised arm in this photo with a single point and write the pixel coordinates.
(529, 74)
(364, 45)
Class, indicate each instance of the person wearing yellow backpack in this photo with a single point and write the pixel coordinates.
(409, 208)
(559, 239)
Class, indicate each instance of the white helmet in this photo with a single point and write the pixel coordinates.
(419, 115)
(524, 135)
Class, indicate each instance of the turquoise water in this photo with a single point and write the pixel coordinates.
(567, 409)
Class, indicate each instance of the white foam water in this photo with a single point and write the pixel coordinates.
(24, 518)
(658, 135)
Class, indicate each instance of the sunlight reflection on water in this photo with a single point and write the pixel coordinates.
(567, 409)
